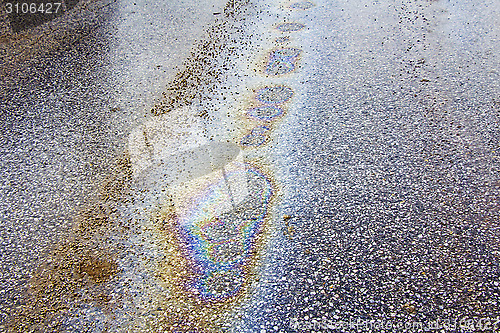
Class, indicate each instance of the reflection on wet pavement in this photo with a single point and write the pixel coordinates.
(288, 27)
(348, 174)
(282, 61)
(265, 112)
(273, 95)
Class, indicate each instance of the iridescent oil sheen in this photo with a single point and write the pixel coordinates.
(221, 246)
(282, 61)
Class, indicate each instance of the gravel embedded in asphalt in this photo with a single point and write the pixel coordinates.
(374, 125)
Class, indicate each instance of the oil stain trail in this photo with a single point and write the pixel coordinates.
(282, 61)
(210, 258)
(83, 271)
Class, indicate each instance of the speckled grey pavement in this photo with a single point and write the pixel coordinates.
(387, 160)
(66, 113)
(391, 171)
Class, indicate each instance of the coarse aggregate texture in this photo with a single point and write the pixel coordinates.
(390, 169)
(207, 66)
(373, 196)
(282, 39)
(224, 244)
(273, 95)
(282, 61)
(265, 112)
(46, 168)
(65, 120)
(257, 137)
(302, 5)
(289, 27)
(20, 43)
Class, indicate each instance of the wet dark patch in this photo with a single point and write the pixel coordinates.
(274, 95)
(257, 137)
(194, 311)
(282, 61)
(289, 27)
(265, 112)
(303, 5)
(26, 15)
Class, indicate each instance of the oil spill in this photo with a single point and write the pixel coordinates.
(302, 5)
(211, 256)
(282, 40)
(271, 99)
(210, 260)
(81, 269)
(257, 137)
(282, 61)
(267, 105)
(290, 27)
(274, 95)
(265, 113)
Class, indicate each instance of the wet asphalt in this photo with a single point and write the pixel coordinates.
(391, 173)
(388, 162)
(66, 112)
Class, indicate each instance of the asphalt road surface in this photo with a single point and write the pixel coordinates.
(257, 166)
(66, 114)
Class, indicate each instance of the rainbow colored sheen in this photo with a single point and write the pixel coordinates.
(281, 40)
(265, 112)
(303, 5)
(256, 137)
(290, 27)
(222, 246)
(282, 61)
